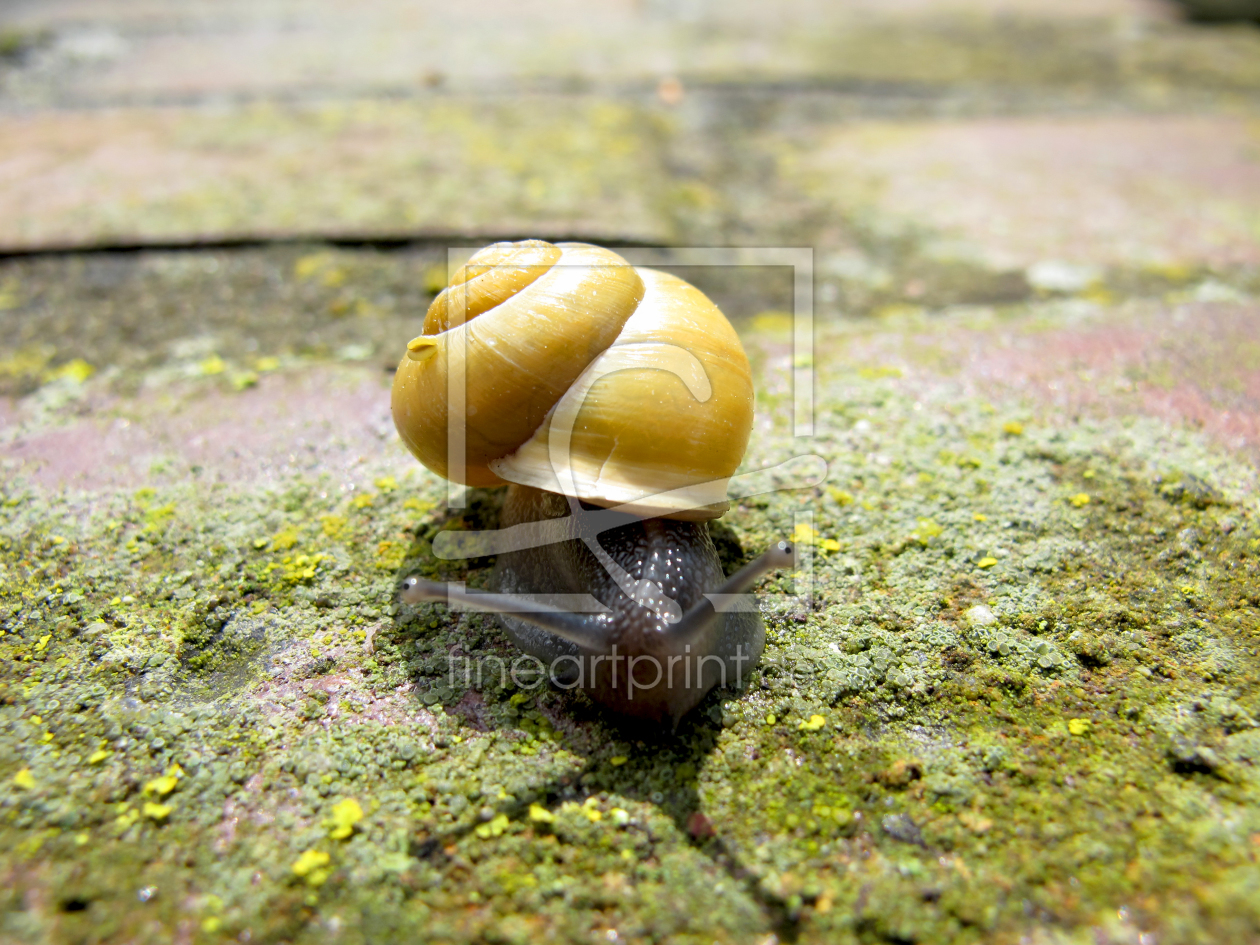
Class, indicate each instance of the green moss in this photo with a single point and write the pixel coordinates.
(1037, 744)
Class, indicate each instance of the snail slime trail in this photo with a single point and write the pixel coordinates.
(614, 403)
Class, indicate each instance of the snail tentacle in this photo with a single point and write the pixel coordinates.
(578, 628)
(581, 630)
(732, 595)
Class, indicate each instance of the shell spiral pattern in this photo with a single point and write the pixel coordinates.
(578, 373)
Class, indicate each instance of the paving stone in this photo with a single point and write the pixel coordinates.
(551, 166)
(1104, 191)
(140, 49)
(314, 121)
(1191, 364)
(325, 420)
(215, 582)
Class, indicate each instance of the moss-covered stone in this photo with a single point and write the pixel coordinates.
(1000, 710)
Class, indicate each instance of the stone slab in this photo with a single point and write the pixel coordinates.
(330, 421)
(131, 52)
(1020, 609)
(1193, 365)
(544, 166)
(1099, 191)
(137, 123)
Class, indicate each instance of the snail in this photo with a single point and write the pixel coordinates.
(615, 403)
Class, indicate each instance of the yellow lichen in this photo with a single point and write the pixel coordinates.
(166, 783)
(493, 828)
(986, 562)
(1080, 499)
(774, 322)
(812, 724)
(284, 539)
(806, 534)
(28, 362)
(333, 525)
(157, 811)
(299, 568)
(306, 266)
(435, 279)
(311, 867)
(161, 786)
(212, 365)
(76, 370)
(156, 518)
(927, 530)
(345, 814)
(25, 780)
(876, 373)
(541, 815)
(390, 555)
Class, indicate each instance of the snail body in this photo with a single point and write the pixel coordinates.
(617, 403)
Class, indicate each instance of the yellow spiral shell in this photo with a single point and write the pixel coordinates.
(580, 374)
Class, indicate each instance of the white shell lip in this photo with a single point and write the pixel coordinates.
(530, 466)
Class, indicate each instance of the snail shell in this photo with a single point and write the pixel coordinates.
(580, 374)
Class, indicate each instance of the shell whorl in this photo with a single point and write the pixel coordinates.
(579, 374)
